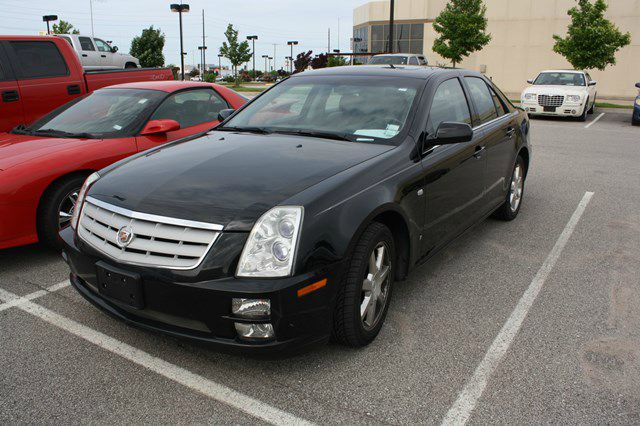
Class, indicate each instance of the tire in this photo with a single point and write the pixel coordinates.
(593, 107)
(130, 65)
(507, 211)
(58, 196)
(583, 117)
(349, 326)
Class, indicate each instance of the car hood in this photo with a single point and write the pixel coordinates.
(17, 149)
(226, 178)
(556, 90)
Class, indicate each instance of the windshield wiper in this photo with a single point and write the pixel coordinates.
(62, 134)
(259, 130)
(318, 134)
(21, 129)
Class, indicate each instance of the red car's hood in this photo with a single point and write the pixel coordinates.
(16, 149)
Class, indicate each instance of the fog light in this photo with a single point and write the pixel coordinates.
(574, 112)
(251, 308)
(254, 331)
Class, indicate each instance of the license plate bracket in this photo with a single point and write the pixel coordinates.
(122, 286)
(549, 109)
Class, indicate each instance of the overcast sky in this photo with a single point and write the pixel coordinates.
(273, 21)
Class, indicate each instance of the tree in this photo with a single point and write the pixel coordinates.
(148, 47)
(174, 70)
(302, 62)
(64, 27)
(461, 27)
(319, 61)
(337, 61)
(236, 53)
(194, 72)
(592, 40)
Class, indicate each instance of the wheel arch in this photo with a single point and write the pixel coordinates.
(524, 153)
(70, 175)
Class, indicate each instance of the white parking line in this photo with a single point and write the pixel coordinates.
(594, 121)
(213, 390)
(17, 301)
(461, 410)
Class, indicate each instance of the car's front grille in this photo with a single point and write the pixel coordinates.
(156, 241)
(551, 101)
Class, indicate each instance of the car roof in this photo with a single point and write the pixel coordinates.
(164, 86)
(406, 71)
(397, 54)
(567, 71)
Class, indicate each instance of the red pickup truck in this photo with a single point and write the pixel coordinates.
(41, 73)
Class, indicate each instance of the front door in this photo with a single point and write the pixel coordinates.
(454, 174)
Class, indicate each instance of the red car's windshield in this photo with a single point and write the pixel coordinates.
(106, 113)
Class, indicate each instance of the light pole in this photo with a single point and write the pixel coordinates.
(391, 13)
(220, 65)
(270, 67)
(290, 59)
(202, 49)
(265, 57)
(180, 9)
(292, 43)
(253, 39)
(47, 19)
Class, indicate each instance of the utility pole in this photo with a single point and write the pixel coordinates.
(91, 11)
(274, 54)
(329, 40)
(338, 42)
(292, 43)
(266, 70)
(392, 8)
(253, 38)
(204, 48)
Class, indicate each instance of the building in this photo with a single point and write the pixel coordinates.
(522, 39)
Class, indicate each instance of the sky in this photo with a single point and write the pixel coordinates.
(273, 21)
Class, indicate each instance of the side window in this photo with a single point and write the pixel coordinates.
(589, 79)
(101, 45)
(500, 107)
(86, 44)
(38, 59)
(413, 60)
(2, 76)
(422, 60)
(449, 104)
(482, 99)
(67, 39)
(191, 108)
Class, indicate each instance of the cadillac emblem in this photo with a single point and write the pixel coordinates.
(124, 236)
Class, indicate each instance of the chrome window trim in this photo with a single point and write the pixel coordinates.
(155, 218)
(511, 114)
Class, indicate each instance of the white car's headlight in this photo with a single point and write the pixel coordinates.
(270, 249)
(530, 96)
(574, 98)
(80, 200)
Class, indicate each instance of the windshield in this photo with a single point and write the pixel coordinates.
(388, 60)
(559, 79)
(106, 113)
(355, 108)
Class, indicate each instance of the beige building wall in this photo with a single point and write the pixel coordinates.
(522, 40)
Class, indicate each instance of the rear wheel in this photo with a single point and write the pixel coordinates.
(130, 65)
(363, 299)
(56, 209)
(511, 206)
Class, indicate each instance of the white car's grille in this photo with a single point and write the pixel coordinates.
(157, 241)
(550, 101)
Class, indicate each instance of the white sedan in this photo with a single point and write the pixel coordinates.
(560, 93)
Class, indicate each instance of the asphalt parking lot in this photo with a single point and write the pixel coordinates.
(532, 321)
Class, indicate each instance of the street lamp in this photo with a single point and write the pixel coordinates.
(253, 39)
(292, 43)
(270, 67)
(204, 65)
(289, 59)
(180, 9)
(220, 65)
(266, 70)
(47, 19)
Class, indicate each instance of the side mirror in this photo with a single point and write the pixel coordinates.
(224, 114)
(158, 127)
(450, 132)
(638, 85)
(530, 81)
(114, 49)
(593, 83)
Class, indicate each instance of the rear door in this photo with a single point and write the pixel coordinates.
(44, 80)
(454, 173)
(11, 113)
(196, 110)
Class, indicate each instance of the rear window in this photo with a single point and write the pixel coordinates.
(86, 44)
(38, 59)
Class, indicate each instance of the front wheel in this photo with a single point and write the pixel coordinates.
(363, 298)
(511, 206)
(56, 209)
(593, 107)
(585, 110)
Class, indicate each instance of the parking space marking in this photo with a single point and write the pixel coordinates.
(213, 390)
(461, 410)
(18, 300)
(594, 121)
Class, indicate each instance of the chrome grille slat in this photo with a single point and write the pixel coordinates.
(550, 100)
(158, 241)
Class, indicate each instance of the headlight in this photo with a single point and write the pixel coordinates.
(270, 249)
(574, 98)
(638, 101)
(530, 96)
(83, 192)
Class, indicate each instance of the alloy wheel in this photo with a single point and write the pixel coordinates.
(65, 210)
(375, 287)
(515, 191)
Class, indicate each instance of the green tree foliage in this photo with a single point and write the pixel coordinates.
(592, 40)
(319, 61)
(337, 61)
(194, 72)
(64, 27)
(237, 53)
(302, 62)
(148, 47)
(462, 29)
(174, 70)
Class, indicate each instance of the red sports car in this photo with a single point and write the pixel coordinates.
(43, 166)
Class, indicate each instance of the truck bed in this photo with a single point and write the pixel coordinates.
(97, 79)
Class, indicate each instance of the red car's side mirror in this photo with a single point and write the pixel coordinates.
(156, 127)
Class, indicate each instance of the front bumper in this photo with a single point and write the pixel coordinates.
(565, 110)
(200, 311)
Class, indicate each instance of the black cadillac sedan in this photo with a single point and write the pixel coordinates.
(290, 222)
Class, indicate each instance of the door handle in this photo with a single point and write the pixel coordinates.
(103, 56)
(510, 132)
(479, 151)
(74, 89)
(10, 96)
